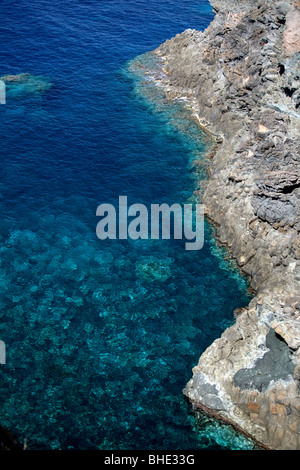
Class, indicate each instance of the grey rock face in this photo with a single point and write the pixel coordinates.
(241, 80)
(276, 364)
(209, 393)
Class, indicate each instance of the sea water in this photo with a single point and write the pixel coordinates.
(101, 336)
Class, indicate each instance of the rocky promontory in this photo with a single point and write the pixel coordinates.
(241, 79)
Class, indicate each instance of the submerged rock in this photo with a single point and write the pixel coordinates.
(154, 269)
(26, 83)
(14, 78)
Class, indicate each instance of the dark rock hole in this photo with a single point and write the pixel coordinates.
(281, 69)
(290, 189)
(281, 20)
(289, 91)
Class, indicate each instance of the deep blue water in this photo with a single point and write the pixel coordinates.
(101, 336)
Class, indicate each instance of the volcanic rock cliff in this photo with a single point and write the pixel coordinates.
(241, 77)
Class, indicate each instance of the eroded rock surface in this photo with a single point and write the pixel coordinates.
(241, 78)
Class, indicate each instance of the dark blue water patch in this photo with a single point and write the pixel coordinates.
(100, 336)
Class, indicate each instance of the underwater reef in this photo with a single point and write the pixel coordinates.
(25, 83)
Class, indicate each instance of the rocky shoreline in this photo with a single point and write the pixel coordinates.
(241, 77)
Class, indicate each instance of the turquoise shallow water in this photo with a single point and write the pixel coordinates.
(101, 336)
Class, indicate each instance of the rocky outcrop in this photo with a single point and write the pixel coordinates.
(9, 442)
(25, 83)
(241, 79)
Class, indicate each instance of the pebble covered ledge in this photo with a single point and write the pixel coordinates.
(241, 77)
